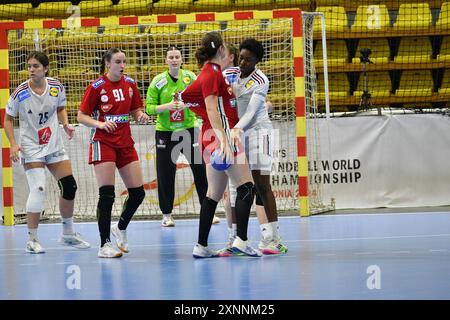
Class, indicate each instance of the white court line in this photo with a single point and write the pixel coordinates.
(363, 253)
(369, 214)
(401, 252)
(222, 243)
(437, 250)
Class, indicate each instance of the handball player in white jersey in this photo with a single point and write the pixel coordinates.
(40, 103)
(250, 86)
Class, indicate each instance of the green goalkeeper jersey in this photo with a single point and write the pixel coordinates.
(161, 91)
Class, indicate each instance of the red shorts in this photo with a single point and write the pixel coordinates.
(209, 143)
(100, 152)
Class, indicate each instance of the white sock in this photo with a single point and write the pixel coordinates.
(32, 234)
(167, 216)
(230, 232)
(274, 228)
(234, 227)
(266, 231)
(67, 225)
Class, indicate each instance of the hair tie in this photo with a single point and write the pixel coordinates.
(212, 44)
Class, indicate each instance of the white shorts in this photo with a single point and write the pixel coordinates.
(259, 149)
(54, 157)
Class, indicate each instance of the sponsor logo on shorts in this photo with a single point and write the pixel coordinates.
(118, 118)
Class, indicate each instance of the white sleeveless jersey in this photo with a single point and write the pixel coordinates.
(40, 133)
(251, 93)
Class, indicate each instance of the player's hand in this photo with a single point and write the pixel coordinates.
(143, 118)
(108, 126)
(225, 150)
(70, 131)
(179, 105)
(15, 149)
(236, 136)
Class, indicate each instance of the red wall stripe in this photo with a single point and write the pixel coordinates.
(90, 22)
(49, 24)
(167, 19)
(205, 17)
(128, 20)
(243, 15)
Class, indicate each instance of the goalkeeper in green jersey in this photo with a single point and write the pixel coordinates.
(176, 131)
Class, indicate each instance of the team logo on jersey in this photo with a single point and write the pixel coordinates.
(54, 91)
(30, 112)
(176, 115)
(249, 83)
(118, 118)
(130, 92)
(24, 95)
(44, 135)
(106, 107)
(186, 80)
(104, 98)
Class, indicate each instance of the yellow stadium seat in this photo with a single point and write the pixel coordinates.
(98, 8)
(415, 83)
(378, 46)
(378, 84)
(445, 85)
(17, 11)
(171, 7)
(132, 8)
(444, 17)
(444, 54)
(338, 86)
(297, 4)
(337, 53)
(413, 16)
(371, 18)
(212, 5)
(118, 33)
(335, 19)
(202, 27)
(54, 10)
(79, 34)
(169, 28)
(241, 28)
(414, 50)
(253, 4)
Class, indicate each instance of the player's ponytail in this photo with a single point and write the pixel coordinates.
(210, 44)
(107, 57)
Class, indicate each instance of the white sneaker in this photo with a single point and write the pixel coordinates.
(168, 222)
(204, 252)
(121, 238)
(216, 220)
(108, 251)
(244, 247)
(33, 246)
(74, 240)
(272, 247)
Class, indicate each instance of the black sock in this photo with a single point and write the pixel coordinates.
(104, 208)
(244, 201)
(132, 203)
(206, 217)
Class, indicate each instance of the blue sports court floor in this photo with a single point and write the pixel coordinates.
(337, 256)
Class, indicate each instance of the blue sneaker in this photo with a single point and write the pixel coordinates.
(241, 246)
(204, 252)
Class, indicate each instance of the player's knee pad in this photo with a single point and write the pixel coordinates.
(245, 192)
(68, 187)
(136, 195)
(36, 183)
(106, 199)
